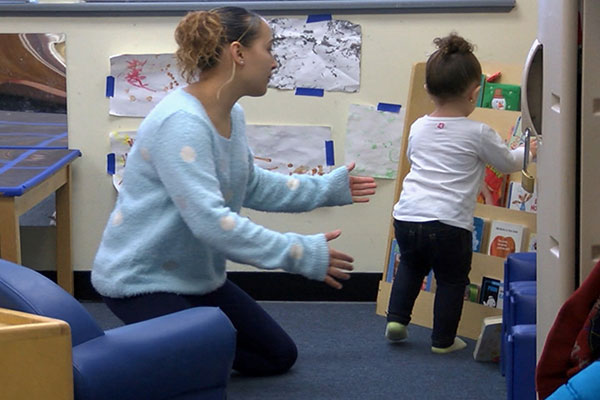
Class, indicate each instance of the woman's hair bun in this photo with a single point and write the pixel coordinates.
(453, 44)
(199, 35)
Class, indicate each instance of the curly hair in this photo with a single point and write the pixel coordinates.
(201, 35)
(452, 68)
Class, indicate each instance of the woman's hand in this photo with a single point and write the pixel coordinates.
(360, 186)
(338, 263)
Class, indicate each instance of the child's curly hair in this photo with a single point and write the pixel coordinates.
(452, 68)
(201, 35)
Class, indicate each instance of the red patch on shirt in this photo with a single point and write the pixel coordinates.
(441, 125)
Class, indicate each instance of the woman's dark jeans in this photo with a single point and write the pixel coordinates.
(263, 347)
(448, 251)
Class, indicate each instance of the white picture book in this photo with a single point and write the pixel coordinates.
(505, 238)
(487, 348)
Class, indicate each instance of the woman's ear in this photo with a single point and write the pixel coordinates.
(237, 52)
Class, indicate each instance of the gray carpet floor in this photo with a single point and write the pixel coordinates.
(343, 355)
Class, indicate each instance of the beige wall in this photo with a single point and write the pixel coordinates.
(391, 43)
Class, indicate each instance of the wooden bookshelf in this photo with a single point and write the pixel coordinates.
(419, 104)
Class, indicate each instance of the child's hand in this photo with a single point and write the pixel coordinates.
(361, 186)
(533, 143)
(338, 263)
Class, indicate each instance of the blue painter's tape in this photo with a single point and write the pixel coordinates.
(110, 86)
(395, 108)
(110, 163)
(329, 158)
(309, 92)
(318, 18)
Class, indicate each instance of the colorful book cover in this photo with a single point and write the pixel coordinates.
(532, 244)
(481, 90)
(487, 347)
(393, 262)
(501, 96)
(500, 302)
(519, 199)
(505, 238)
(472, 292)
(478, 228)
(428, 281)
(492, 187)
(490, 288)
(516, 138)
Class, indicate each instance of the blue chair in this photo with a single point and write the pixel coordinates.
(520, 363)
(522, 304)
(181, 356)
(519, 272)
(520, 267)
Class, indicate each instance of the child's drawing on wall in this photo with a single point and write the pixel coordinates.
(373, 140)
(289, 149)
(141, 81)
(323, 55)
(120, 144)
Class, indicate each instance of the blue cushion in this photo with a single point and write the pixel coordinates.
(44, 298)
(522, 306)
(521, 361)
(183, 352)
(180, 356)
(520, 267)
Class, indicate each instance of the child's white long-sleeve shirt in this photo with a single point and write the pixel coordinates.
(448, 156)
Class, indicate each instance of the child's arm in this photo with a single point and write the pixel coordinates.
(493, 150)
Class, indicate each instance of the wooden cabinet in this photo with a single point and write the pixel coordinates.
(35, 357)
(419, 104)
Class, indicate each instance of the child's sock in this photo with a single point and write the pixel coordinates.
(458, 344)
(396, 332)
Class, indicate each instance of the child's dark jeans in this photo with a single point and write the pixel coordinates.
(448, 250)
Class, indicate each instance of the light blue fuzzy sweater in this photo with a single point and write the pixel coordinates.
(176, 220)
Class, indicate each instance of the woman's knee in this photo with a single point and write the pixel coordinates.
(287, 359)
(274, 362)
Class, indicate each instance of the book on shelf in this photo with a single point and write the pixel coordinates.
(500, 302)
(393, 261)
(516, 138)
(501, 96)
(487, 347)
(478, 233)
(493, 187)
(519, 199)
(532, 244)
(472, 292)
(489, 292)
(505, 238)
(428, 282)
(480, 94)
